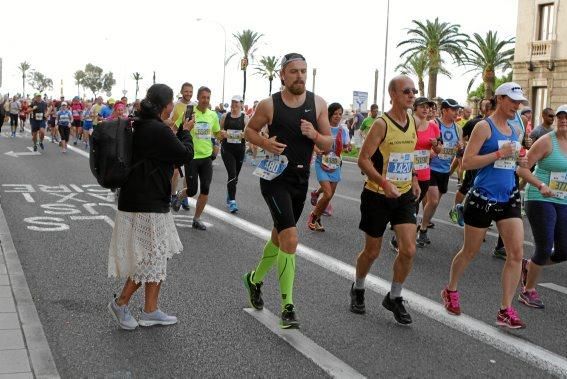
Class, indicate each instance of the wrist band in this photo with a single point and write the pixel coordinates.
(540, 186)
(498, 154)
(382, 181)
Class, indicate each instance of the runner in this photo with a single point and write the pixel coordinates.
(492, 149)
(389, 196)
(24, 111)
(203, 125)
(64, 119)
(328, 168)
(368, 121)
(15, 107)
(52, 112)
(87, 117)
(546, 126)
(95, 111)
(297, 122)
(233, 148)
(546, 206)
(179, 110)
(77, 111)
(440, 166)
(37, 121)
(106, 110)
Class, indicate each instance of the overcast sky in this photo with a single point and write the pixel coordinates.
(344, 40)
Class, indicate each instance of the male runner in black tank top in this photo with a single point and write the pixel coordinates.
(297, 120)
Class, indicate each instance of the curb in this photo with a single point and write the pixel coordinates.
(39, 353)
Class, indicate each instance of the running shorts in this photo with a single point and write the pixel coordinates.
(439, 180)
(376, 211)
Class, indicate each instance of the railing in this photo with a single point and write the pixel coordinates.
(541, 50)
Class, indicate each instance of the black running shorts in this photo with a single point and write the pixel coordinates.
(439, 180)
(376, 211)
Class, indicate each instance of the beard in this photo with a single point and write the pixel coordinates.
(297, 88)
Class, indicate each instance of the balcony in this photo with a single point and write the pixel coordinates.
(541, 50)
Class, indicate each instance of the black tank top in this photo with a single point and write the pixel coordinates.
(286, 126)
(234, 124)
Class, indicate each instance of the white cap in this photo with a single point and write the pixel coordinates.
(512, 90)
(561, 109)
(64, 103)
(237, 98)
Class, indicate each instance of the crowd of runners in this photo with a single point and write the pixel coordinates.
(409, 152)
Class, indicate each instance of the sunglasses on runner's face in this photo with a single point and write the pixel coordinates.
(407, 91)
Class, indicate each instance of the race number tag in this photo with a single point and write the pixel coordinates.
(448, 151)
(421, 159)
(39, 116)
(76, 113)
(508, 163)
(331, 161)
(271, 166)
(400, 167)
(558, 184)
(234, 136)
(203, 130)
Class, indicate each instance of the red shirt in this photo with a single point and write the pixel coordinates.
(424, 144)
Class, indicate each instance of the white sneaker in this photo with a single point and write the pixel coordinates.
(122, 316)
(156, 317)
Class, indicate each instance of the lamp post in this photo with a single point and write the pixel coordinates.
(224, 60)
(385, 53)
(314, 74)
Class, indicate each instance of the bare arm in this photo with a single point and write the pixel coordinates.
(539, 150)
(323, 139)
(261, 118)
(471, 159)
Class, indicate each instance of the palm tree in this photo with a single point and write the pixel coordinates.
(137, 77)
(79, 77)
(418, 65)
(433, 39)
(487, 55)
(268, 68)
(24, 67)
(247, 44)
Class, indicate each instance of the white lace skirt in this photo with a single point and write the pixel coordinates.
(141, 244)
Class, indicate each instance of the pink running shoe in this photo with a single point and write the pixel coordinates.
(314, 197)
(509, 318)
(328, 211)
(451, 301)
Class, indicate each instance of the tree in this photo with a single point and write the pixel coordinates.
(485, 56)
(433, 39)
(137, 77)
(268, 68)
(39, 82)
(480, 91)
(96, 80)
(247, 44)
(24, 67)
(79, 77)
(417, 66)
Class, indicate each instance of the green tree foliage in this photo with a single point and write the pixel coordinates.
(247, 43)
(39, 82)
(268, 68)
(96, 80)
(79, 77)
(24, 67)
(137, 77)
(479, 92)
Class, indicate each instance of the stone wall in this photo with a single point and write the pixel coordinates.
(555, 80)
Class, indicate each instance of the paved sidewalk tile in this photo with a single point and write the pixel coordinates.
(3, 270)
(9, 321)
(4, 281)
(21, 375)
(14, 361)
(7, 305)
(11, 339)
(5, 291)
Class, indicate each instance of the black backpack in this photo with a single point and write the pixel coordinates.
(111, 152)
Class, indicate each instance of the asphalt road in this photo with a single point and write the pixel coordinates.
(60, 222)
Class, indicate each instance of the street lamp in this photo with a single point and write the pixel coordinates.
(385, 53)
(224, 61)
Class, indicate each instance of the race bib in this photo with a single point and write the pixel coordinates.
(331, 161)
(558, 184)
(421, 159)
(400, 167)
(203, 130)
(271, 166)
(448, 151)
(39, 116)
(234, 136)
(508, 163)
(76, 113)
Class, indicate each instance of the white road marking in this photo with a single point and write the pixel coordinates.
(554, 287)
(321, 357)
(516, 347)
(106, 219)
(28, 197)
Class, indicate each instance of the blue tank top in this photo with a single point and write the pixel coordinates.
(442, 161)
(496, 181)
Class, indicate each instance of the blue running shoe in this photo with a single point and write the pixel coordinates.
(460, 215)
(185, 204)
(232, 207)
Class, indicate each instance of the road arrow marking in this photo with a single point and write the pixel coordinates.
(23, 153)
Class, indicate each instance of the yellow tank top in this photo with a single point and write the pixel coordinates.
(394, 157)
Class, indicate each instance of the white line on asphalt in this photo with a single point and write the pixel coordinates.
(69, 147)
(490, 335)
(28, 197)
(554, 287)
(321, 357)
(106, 219)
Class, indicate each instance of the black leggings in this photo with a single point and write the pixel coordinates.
(199, 172)
(232, 156)
(13, 121)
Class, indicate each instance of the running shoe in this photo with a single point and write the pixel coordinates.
(499, 253)
(451, 301)
(13, 134)
(422, 238)
(176, 201)
(122, 315)
(52, 140)
(431, 225)
(232, 207)
(34, 147)
(453, 215)
(314, 223)
(509, 318)
(41, 145)
(460, 214)
(199, 225)
(185, 204)
(394, 244)
(531, 299)
(156, 317)
(524, 277)
(75, 143)
(289, 319)
(254, 291)
(357, 300)
(396, 306)
(328, 211)
(314, 197)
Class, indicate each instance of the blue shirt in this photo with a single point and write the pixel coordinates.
(105, 111)
(442, 161)
(65, 117)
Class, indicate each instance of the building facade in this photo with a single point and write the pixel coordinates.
(540, 59)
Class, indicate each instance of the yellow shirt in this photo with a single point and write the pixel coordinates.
(178, 112)
(95, 110)
(394, 157)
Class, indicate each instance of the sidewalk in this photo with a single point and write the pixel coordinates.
(24, 351)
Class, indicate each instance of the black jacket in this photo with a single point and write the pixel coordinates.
(155, 152)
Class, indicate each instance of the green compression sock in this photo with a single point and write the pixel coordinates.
(286, 275)
(265, 265)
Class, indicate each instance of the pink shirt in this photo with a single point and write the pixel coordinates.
(423, 144)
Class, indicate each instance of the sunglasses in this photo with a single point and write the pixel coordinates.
(407, 91)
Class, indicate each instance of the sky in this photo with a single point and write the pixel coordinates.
(344, 41)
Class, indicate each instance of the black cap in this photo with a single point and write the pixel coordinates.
(423, 100)
(290, 58)
(450, 103)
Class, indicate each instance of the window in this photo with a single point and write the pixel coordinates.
(540, 103)
(546, 18)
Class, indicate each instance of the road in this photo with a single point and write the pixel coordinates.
(61, 224)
